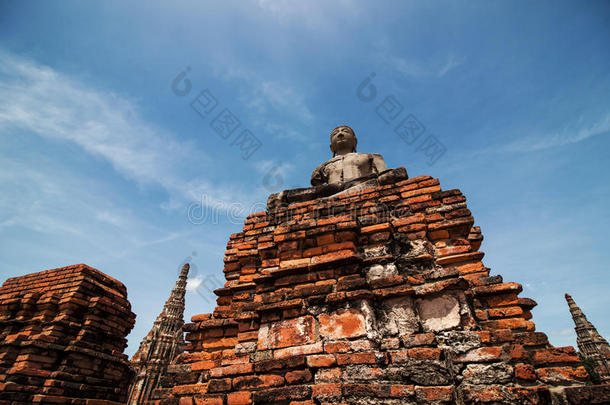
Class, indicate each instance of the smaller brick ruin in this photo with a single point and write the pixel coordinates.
(62, 336)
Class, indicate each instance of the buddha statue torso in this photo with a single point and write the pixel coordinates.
(346, 172)
(346, 164)
(347, 167)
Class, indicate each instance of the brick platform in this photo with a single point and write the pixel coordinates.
(62, 338)
(377, 296)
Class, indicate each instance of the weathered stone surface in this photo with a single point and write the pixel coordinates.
(592, 394)
(458, 341)
(421, 372)
(439, 313)
(378, 271)
(342, 324)
(496, 373)
(397, 317)
(292, 332)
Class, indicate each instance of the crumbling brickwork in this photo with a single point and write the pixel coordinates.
(377, 296)
(62, 338)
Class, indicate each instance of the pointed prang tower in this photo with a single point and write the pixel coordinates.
(590, 343)
(162, 344)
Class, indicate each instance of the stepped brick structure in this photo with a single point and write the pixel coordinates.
(162, 344)
(590, 343)
(371, 296)
(62, 338)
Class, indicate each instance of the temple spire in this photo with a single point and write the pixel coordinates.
(590, 343)
(162, 344)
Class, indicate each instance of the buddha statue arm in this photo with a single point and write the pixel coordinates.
(318, 176)
(378, 164)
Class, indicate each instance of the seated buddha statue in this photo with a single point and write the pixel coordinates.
(346, 164)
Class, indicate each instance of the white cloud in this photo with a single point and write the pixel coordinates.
(110, 218)
(50, 200)
(266, 99)
(275, 175)
(267, 166)
(451, 64)
(23, 202)
(38, 99)
(192, 284)
(315, 14)
(437, 66)
(417, 69)
(170, 237)
(284, 132)
(570, 134)
(564, 332)
(282, 97)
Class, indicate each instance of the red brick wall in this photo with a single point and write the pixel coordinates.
(62, 337)
(373, 297)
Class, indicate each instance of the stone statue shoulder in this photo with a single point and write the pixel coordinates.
(378, 162)
(320, 174)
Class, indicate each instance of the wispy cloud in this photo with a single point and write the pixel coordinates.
(315, 14)
(563, 332)
(38, 99)
(271, 98)
(23, 201)
(193, 283)
(90, 220)
(437, 66)
(283, 97)
(284, 132)
(568, 135)
(417, 69)
(44, 200)
(451, 64)
(265, 166)
(267, 100)
(110, 218)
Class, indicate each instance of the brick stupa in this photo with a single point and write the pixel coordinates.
(590, 343)
(62, 338)
(161, 345)
(372, 296)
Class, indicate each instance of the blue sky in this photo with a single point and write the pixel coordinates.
(100, 160)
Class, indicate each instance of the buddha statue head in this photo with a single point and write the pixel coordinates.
(343, 140)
